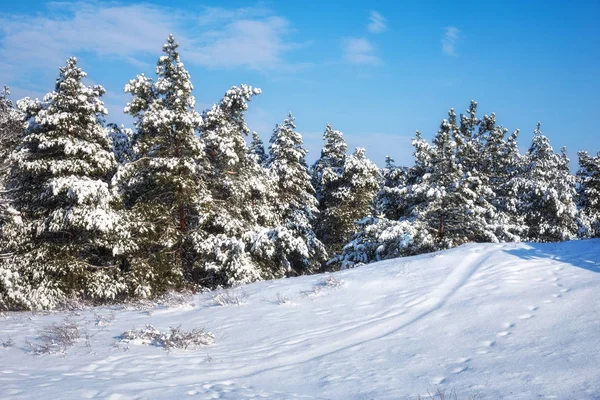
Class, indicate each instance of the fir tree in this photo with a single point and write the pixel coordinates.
(164, 187)
(60, 182)
(296, 201)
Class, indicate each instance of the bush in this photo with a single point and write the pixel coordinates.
(381, 239)
(174, 339)
(56, 338)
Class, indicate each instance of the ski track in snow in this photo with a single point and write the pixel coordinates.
(504, 320)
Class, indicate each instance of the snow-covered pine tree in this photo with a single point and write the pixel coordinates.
(11, 132)
(60, 180)
(235, 241)
(588, 192)
(546, 192)
(326, 174)
(121, 139)
(297, 245)
(501, 163)
(257, 149)
(351, 200)
(450, 195)
(164, 187)
(390, 200)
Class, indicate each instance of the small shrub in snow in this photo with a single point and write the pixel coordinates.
(445, 394)
(230, 297)
(56, 338)
(332, 282)
(174, 339)
(6, 343)
(104, 320)
(281, 299)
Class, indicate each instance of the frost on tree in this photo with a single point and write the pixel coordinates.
(234, 242)
(297, 245)
(546, 192)
(70, 233)
(163, 187)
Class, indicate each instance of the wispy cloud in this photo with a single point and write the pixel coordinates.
(377, 23)
(449, 41)
(214, 37)
(253, 43)
(360, 51)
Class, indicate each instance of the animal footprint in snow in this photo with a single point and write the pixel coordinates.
(532, 308)
(503, 333)
(437, 380)
(458, 370)
(526, 316)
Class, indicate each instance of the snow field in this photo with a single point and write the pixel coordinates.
(516, 321)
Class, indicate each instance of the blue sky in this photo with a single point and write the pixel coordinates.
(376, 70)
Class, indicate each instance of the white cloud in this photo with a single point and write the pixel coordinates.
(360, 51)
(451, 37)
(253, 43)
(377, 23)
(214, 37)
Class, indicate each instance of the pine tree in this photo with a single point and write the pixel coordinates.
(546, 192)
(11, 132)
(588, 191)
(351, 200)
(297, 244)
(164, 186)
(326, 174)
(235, 241)
(390, 200)
(60, 183)
(257, 149)
(446, 191)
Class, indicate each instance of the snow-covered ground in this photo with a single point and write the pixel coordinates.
(518, 321)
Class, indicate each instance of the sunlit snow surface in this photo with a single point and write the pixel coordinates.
(518, 321)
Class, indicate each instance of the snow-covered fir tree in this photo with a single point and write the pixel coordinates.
(297, 206)
(68, 230)
(546, 192)
(257, 149)
(235, 240)
(588, 192)
(164, 187)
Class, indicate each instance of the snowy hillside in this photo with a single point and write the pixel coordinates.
(518, 321)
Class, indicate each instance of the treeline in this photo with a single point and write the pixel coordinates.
(102, 213)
